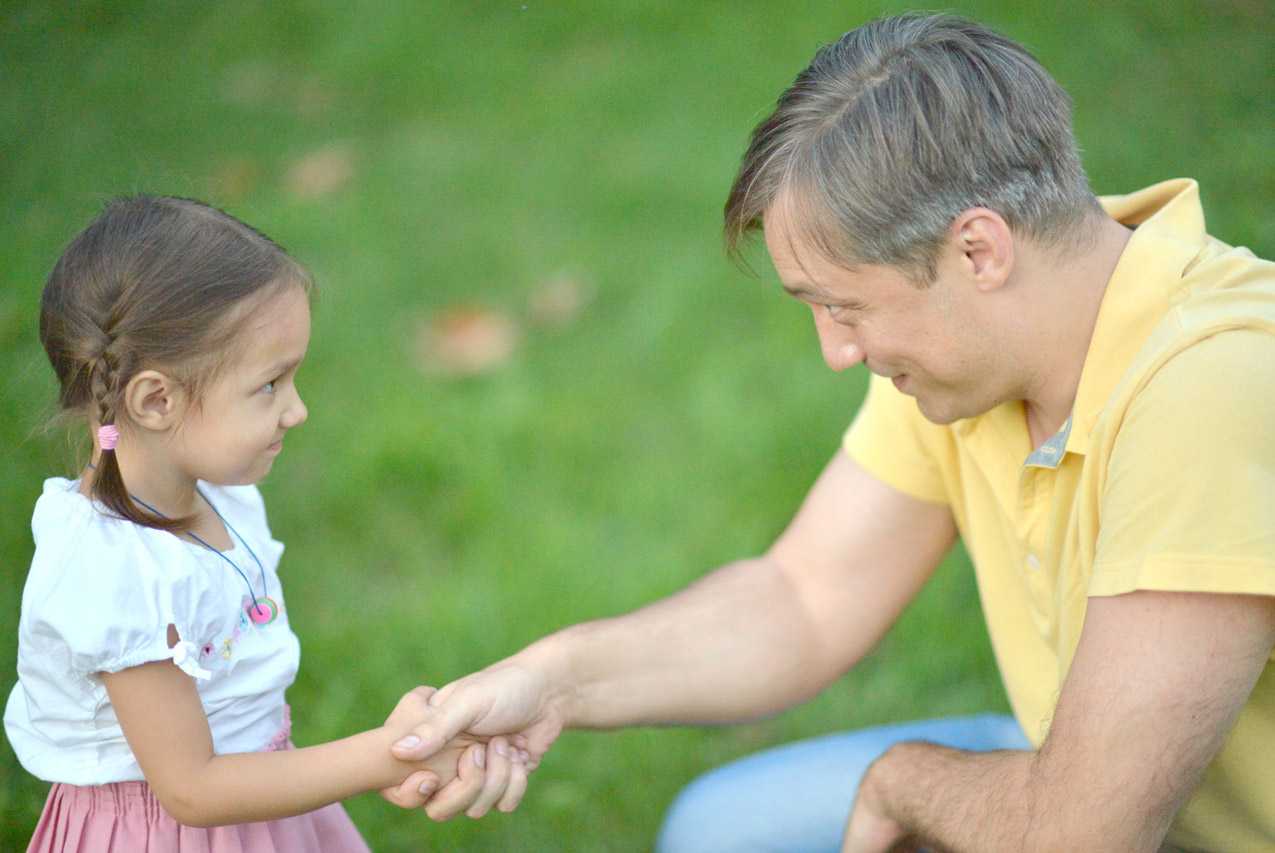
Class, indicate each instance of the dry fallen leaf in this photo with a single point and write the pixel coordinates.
(250, 84)
(465, 340)
(235, 179)
(313, 99)
(557, 302)
(321, 172)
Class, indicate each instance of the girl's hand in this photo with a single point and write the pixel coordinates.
(412, 710)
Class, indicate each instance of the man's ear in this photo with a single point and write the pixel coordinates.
(985, 245)
(154, 400)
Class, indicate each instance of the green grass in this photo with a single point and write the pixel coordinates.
(433, 525)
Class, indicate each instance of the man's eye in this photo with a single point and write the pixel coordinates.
(840, 313)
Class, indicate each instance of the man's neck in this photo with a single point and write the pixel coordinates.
(1068, 299)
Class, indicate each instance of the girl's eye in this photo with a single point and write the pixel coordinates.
(269, 386)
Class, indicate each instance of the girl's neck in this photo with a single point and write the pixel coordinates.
(167, 490)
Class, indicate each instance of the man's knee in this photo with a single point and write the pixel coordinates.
(700, 819)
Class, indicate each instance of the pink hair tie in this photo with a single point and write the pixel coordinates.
(108, 436)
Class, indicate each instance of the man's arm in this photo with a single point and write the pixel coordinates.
(1157, 682)
(752, 638)
(761, 635)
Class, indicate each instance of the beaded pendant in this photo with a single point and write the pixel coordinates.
(263, 612)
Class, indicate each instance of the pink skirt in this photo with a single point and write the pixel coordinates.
(127, 816)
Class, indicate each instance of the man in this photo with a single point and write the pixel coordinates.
(1084, 392)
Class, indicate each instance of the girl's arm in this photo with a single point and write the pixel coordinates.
(164, 723)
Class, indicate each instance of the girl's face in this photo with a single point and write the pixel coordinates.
(235, 432)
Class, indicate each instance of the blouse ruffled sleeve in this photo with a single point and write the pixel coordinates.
(101, 593)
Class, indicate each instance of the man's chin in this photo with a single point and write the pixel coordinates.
(950, 408)
(938, 414)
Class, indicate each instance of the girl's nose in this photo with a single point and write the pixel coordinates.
(295, 414)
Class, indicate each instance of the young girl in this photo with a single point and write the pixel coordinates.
(154, 641)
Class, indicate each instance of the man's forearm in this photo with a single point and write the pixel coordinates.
(992, 801)
(951, 799)
(760, 635)
(736, 645)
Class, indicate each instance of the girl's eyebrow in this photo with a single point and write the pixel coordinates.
(281, 367)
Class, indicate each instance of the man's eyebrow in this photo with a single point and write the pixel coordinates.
(801, 292)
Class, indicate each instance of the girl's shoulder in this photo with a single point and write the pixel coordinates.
(100, 589)
(80, 546)
(68, 526)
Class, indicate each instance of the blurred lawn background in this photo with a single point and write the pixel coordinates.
(419, 157)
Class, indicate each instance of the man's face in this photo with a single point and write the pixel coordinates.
(932, 342)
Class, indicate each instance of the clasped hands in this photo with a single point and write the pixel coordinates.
(471, 744)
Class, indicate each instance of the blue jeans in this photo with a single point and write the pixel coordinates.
(797, 797)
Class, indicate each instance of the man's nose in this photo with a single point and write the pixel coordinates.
(840, 349)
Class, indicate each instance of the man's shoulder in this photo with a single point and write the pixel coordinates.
(1217, 341)
(1205, 378)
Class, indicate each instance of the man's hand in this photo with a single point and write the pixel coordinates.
(870, 829)
(477, 773)
(509, 703)
(1157, 681)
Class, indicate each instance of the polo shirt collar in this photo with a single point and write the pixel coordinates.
(1170, 234)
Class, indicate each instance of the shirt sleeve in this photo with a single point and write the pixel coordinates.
(893, 441)
(99, 597)
(1190, 487)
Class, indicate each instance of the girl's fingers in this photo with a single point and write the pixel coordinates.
(422, 692)
(414, 791)
(460, 793)
(517, 786)
(496, 780)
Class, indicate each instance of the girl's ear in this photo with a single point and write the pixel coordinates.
(153, 400)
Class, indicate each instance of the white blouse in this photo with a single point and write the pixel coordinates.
(100, 596)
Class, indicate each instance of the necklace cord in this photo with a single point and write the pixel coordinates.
(237, 535)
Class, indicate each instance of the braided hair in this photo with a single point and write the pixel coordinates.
(151, 283)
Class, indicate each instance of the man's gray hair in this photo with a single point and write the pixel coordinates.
(901, 125)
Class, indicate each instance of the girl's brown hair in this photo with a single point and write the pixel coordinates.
(151, 283)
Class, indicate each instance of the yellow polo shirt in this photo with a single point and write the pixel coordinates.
(1163, 478)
